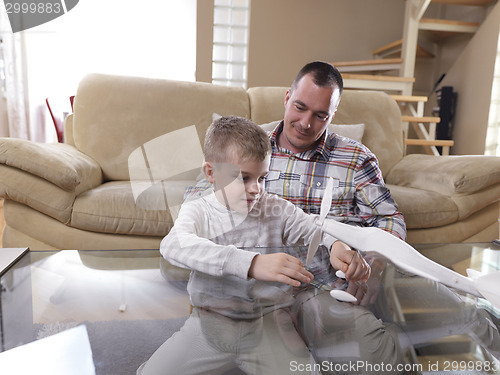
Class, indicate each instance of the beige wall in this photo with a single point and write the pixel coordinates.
(471, 76)
(204, 40)
(286, 34)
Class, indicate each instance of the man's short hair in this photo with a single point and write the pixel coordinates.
(323, 73)
(233, 137)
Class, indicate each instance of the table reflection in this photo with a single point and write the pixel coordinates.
(396, 317)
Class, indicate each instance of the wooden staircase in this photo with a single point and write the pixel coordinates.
(392, 68)
(370, 65)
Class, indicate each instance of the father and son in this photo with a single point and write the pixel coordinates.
(253, 307)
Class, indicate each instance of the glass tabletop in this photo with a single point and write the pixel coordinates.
(482, 257)
(132, 301)
(123, 298)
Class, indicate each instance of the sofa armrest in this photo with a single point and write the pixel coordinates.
(448, 175)
(61, 164)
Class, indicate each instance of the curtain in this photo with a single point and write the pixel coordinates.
(492, 146)
(48, 61)
(15, 79)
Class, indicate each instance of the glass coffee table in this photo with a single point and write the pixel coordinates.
(131, 301)
(127, 304)
(456, 352)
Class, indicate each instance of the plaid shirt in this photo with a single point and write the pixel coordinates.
(360, 196)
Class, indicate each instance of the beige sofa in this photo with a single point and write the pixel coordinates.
(133, 144)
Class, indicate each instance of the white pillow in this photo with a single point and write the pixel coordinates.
(352, 131)
(270, 125)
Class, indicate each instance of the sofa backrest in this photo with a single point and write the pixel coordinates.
(383, 133)
(114, 115)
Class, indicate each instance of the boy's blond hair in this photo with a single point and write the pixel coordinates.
(233, 137)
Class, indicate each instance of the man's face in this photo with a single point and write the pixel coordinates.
(308, 111)
(239, 185)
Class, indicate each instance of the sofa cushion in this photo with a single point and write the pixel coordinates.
(448, 175)
(115, 115)
(424, 209)
(29, 227)
(459, 231)
(112, 208)
(469, 203)
(427, 209)
(57, 163)
(38, 193)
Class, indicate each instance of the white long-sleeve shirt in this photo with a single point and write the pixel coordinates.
(218, 245)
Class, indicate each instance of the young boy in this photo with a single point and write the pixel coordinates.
(240, 279)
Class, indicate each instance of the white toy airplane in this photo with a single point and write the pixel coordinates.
(407, 258)
(402, 255)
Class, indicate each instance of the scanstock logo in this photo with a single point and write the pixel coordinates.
(161, 169)
(25, 14)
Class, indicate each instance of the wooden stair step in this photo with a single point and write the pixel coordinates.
(430, 145)
(394, 48)
(368, 62)
(429, 142)
(466, 2)
(409, 98)
(369, 65)
(446, 28)
(426, 119)
(371, 77)
(393, 45)
(377, 82)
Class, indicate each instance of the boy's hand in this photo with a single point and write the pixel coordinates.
(280, 267)
(349, 261)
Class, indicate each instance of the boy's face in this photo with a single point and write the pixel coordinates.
(238, 185)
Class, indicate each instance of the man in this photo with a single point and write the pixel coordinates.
(305, 153)
(303, 156)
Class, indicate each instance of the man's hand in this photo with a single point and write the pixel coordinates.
(356, 288)
(349, 261)
(280, 267)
